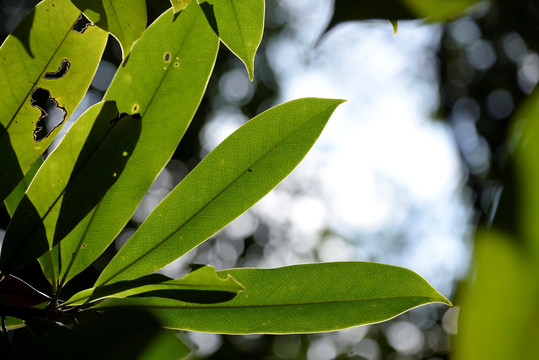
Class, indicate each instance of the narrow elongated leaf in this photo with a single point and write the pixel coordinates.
(124, 19)
(163, 80)
(440, 10)
(191, 288)
(42, 63)
(239, 24)
(231, 179)
(70, 183)
(299, 299)
(432, 10)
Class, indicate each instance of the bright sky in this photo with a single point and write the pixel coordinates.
(383, 169)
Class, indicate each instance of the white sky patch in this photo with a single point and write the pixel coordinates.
(383, 165)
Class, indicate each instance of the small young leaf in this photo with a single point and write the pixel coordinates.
(192, 286)
(124, 19)
(166, 95)
(231, 179)
(179, 5)
(298, 299)
(239, 24)
(37, 48)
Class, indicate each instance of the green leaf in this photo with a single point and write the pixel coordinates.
(440, 10)
(432, 10)
(13, 323)
(239, 24)
(43, 52)
(192, 286)
(231, 179)
(124, 19)
(179, 5)
(298, 299)
(499, 303)
(70, 183)
(163, 80)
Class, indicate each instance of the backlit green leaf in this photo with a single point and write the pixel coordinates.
(239, 24)
(163, 81)
(70, 183)
(42, 63)
(191, 287)
(231, 179)
(124, 19)
(499, 303)
(298, 299)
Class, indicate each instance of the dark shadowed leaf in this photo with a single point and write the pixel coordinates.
(200, 286)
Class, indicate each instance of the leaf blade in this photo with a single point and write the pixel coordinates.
(26, 58)
(232, 178)
(299, 299)
(148, 85)
(239, 25)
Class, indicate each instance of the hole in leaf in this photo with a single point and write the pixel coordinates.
(176, 64)
(81, 24)
(62, 70)
(166, 57)
(52, 115)
(125, 153)
(135, 108)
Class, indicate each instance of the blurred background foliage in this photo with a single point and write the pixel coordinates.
(485, 65)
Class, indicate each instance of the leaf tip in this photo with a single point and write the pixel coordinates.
(395, 25)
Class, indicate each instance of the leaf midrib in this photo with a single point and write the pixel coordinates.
(248, 306)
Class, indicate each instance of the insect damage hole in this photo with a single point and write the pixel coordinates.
(166, 57)
(51, 116)
(81, 24)
(62, 70)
